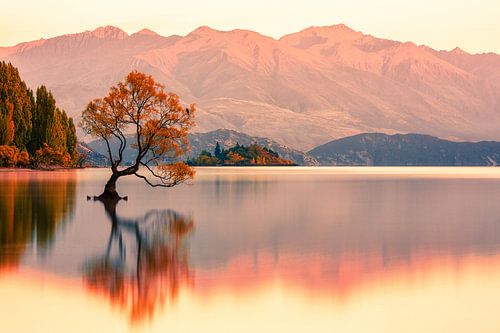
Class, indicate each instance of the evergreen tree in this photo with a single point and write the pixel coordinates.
(217, 151)
(71, 140)
(6, 129)
(43, 119)
(57, 131)
(15, 108)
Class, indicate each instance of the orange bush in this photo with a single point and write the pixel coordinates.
(234, 158)
(54, 157)
(10, 156)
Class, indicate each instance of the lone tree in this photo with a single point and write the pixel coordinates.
(157, 126)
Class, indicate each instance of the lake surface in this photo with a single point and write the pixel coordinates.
(253, 250)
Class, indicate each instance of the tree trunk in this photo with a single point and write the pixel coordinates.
(110, 193)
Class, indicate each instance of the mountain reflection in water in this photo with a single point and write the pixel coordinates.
(273, 249)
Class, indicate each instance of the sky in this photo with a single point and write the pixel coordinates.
(442, 24)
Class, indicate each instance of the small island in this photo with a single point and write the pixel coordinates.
(252, 155)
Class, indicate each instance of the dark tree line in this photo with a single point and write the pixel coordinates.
(33, 130)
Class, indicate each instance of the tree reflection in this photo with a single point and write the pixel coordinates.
(145, 261)
(31, 209)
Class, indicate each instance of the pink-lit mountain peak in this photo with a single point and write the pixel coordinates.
(109, 32)
(204, 30)
(458, 51)
(324, 35)
(146, 32)
(230, 35)
(239, 43)
(331, 30)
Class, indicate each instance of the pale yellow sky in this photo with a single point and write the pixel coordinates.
(441, 24)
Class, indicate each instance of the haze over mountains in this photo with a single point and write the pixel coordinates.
(302, 90)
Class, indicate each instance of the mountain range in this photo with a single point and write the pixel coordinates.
(367, 149)
(378, 149)
(301, 90)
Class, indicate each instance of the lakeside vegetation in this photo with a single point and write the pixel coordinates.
(34, 132)
(252, 155)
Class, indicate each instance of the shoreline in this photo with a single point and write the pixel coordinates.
(7, 169)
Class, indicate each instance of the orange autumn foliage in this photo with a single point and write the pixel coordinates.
(10, 156)
(234, 158)
(48, 156)
(140, 114)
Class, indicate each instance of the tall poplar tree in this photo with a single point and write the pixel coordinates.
(71, 140)
(43, 118)
(15, 108)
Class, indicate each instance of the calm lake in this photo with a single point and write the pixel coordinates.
(253, 250)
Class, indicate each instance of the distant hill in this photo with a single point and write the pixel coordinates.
(376, 149)
(92, 158)
(226, 138)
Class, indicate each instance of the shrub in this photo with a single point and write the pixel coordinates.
(47, 155)
(10, 156)
(23, 159)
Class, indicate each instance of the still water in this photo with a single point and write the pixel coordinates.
(253, 250)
